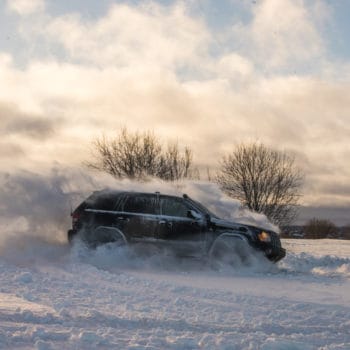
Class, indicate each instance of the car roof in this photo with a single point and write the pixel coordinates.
(109, 191)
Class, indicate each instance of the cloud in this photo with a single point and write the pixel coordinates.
(159, 67)
(149, 34)
(26, 7)
(282, 32)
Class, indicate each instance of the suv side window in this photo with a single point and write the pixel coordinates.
(174, 207)
(105, 201)
(142, 204)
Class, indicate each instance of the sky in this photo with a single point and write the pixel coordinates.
(207, 74)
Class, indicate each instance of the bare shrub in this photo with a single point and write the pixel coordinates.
(320, 228)
(141, 155)
(264, 180)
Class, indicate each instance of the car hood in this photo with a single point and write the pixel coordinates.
(243, 228)
(228, 224)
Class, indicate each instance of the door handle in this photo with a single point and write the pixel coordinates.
(166, 223)
(122, 218)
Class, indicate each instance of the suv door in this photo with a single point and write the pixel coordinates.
(138, 216)
(183, 232)
(96, 211)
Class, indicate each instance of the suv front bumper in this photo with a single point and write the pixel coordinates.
(276, 255)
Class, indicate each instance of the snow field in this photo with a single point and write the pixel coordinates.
(55, 297)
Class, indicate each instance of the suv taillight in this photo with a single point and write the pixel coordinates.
(75, 218)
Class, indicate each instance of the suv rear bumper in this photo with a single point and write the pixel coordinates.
(70, 235)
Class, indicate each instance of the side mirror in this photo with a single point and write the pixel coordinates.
(194, 215)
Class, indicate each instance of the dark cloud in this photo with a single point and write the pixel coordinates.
(15, 122)
(340, 215)
(30, 126)
(10, 150)
(338, 189)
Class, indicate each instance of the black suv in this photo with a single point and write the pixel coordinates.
(177, 223)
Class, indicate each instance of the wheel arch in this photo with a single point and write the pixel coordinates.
(114, 232)
(226, 234)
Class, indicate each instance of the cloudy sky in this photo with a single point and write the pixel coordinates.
(208, 73)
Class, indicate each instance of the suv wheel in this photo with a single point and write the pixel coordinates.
(229, 251)
(108, 236)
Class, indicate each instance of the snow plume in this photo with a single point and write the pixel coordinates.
(34, 211)
(225, 207)
(35, 207)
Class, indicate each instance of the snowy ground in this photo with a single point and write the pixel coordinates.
(55, 297)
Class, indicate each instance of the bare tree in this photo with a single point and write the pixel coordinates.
(320, 228)
(264, 180)
(139, 155)
(173, 165)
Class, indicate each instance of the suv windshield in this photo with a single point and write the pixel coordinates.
(202, 208)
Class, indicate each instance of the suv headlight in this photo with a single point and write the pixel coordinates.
(264, 237)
